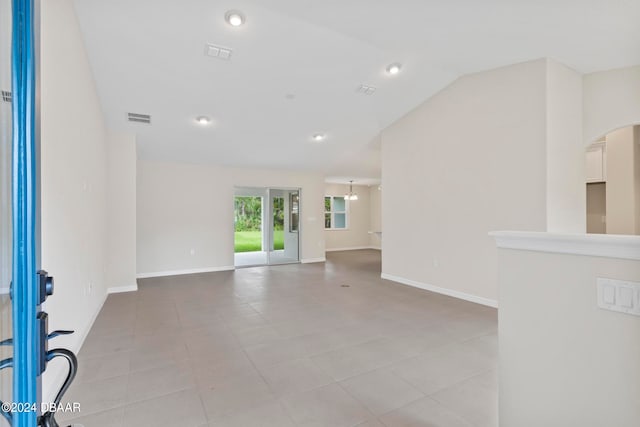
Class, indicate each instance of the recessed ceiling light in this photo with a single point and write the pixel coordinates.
(318, 137)
(203, 120)
(234, 18)
(394, 68)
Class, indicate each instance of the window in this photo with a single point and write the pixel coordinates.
(335, 213)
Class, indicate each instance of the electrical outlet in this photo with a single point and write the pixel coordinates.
(436, 263)
(192, 251)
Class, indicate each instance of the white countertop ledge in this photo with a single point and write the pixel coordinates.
(600, 245)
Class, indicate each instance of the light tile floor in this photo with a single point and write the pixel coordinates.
(288, 346)
(245, 259)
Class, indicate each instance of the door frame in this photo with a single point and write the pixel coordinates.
(267, 226)
(270, 222)
(25, 177)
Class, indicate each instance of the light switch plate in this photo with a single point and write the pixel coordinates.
(619, 295)
(609, 294)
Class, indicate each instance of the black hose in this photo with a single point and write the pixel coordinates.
(73, 369)
(6, 363)
(48, 419)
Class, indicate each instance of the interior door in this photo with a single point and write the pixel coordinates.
(6, 332)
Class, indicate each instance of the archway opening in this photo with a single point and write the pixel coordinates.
(613, 182)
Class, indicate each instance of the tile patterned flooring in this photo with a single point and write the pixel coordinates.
(288, 346)
(248, 259)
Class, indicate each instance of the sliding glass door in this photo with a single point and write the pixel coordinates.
(250, 208)
(266, 226)
(284, 226)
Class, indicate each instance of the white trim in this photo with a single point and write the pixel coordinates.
(312, 260)
(181, 272)
(350, 248)
(5, 291)
(443, 291)
(120, 289)
(599, 245)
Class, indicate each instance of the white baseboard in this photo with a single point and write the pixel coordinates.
(49, 392)
(350, 248)
(120, 289)
(312, 260)
(449, 292)
(181, 272)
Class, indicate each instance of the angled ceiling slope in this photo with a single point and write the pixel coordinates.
(295, 68)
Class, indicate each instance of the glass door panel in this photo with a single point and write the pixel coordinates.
(6, 351)
(266, 226)
(284, 226)
(250, 240)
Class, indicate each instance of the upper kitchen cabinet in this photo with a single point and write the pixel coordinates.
(597, 162)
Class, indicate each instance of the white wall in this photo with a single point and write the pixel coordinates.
(121, 202)
(471, 159)
(611, 101)
(356, 236)
(183, 207)
(622, 183)
(563, 361)
(74, 182)
(375, 219)
(566, 197)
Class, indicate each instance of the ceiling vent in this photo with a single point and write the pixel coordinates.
(219, 52)
(139, 118)
(366, 89)
(6, 96)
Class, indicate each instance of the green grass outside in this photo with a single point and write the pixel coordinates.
(250, 241)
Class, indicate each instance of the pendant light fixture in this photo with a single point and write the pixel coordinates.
(351, 195)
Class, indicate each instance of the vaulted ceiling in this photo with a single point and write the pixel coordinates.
(296, 65)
